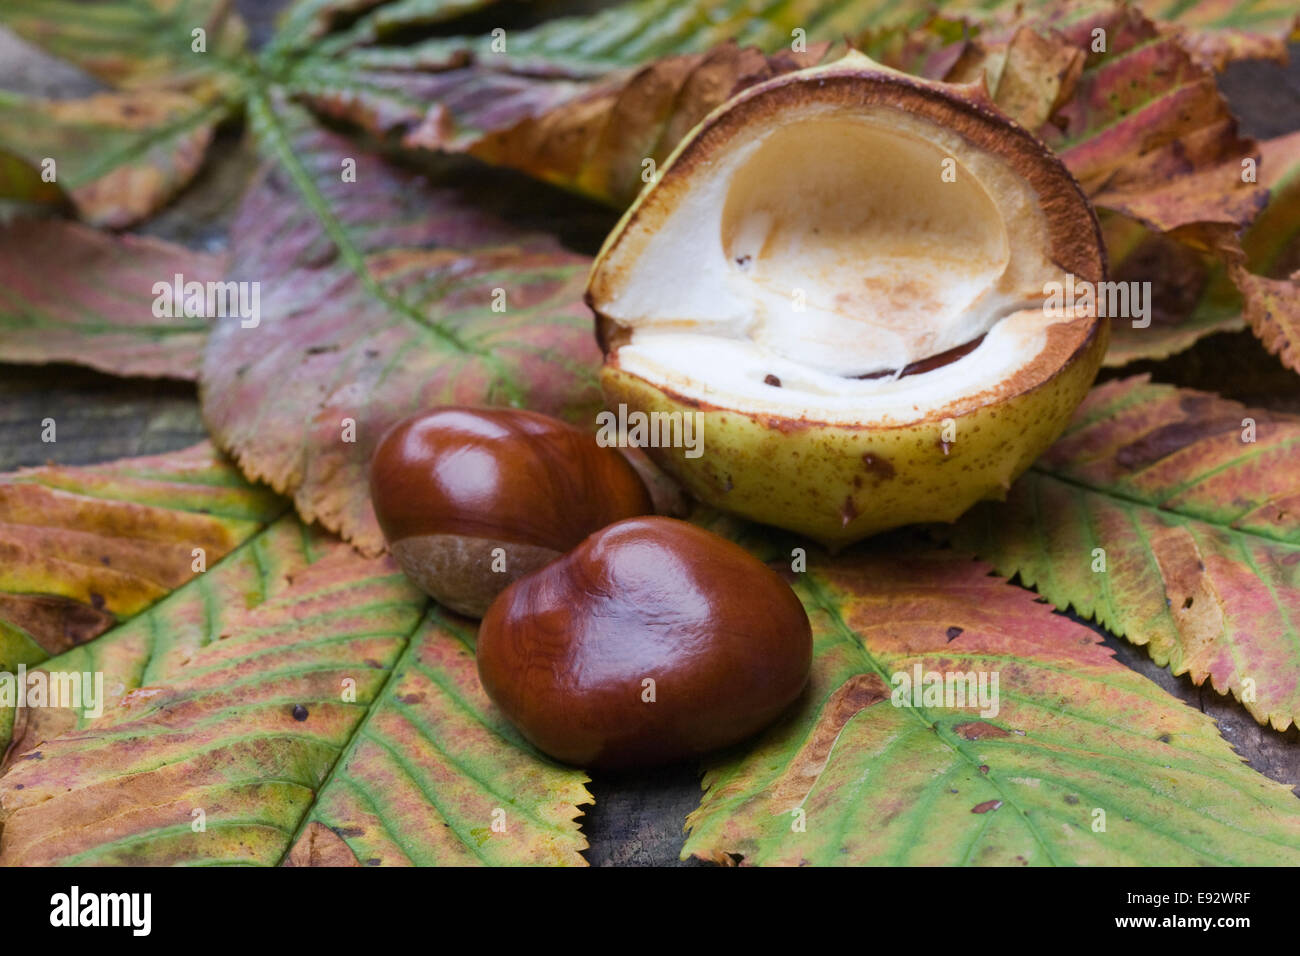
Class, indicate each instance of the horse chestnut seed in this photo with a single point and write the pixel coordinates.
(452, 486)
(653, 640)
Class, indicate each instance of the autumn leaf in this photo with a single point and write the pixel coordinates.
(594, 138)
(378, 300)
(1221, 31)
(1171, 517)
(335, 713)
(120, 155)
(1141, 124)
(1218, 32)
(1084, 762)
(134, 44)
(73, 294)
(154, 644)
(1143, 127)
(1195, 292)
(1146, 129)
(84, 548)
(582, 102)
(438, 762)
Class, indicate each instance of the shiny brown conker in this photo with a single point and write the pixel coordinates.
(651, 641)
(453, 485)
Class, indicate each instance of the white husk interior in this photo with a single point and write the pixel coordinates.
(894, 265)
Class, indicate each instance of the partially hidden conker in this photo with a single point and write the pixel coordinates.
(452, 486)
(652, 641)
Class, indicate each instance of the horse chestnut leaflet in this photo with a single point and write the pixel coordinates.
(653, 640)
(452, 486)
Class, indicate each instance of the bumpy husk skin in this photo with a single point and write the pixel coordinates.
(840, 483)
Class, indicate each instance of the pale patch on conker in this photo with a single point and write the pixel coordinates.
(456, 570)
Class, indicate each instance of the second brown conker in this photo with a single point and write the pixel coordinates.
(654, 640)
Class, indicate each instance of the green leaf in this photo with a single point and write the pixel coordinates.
(1085, 762)
(436, 776)
(336, 704)
(154, 644)
(1194, 503)
(307, 22)
(134, 43)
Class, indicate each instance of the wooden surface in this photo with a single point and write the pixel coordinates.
(637, 818)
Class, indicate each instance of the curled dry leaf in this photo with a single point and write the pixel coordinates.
(1218, 32)
(1266, 268)
(1141, 124)
(1172, 517)
(1195, 292)
(1191, 294)
(1221, 31)
(336, 704)
(380, 297)
(1144, 128)
(82, 548)
(850, 778)
(73, 294)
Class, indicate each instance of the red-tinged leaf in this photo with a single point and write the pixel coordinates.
(1148, 134)
(1172, 517)
(118, 157)
(1141, 124)
(1217, 31)
(378, 300)
(73, 294)
(336, 701)
(154, 644)
(1083, 762)
(1144, 128)
(1221, 31)
(226, 738)
(82, 548)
